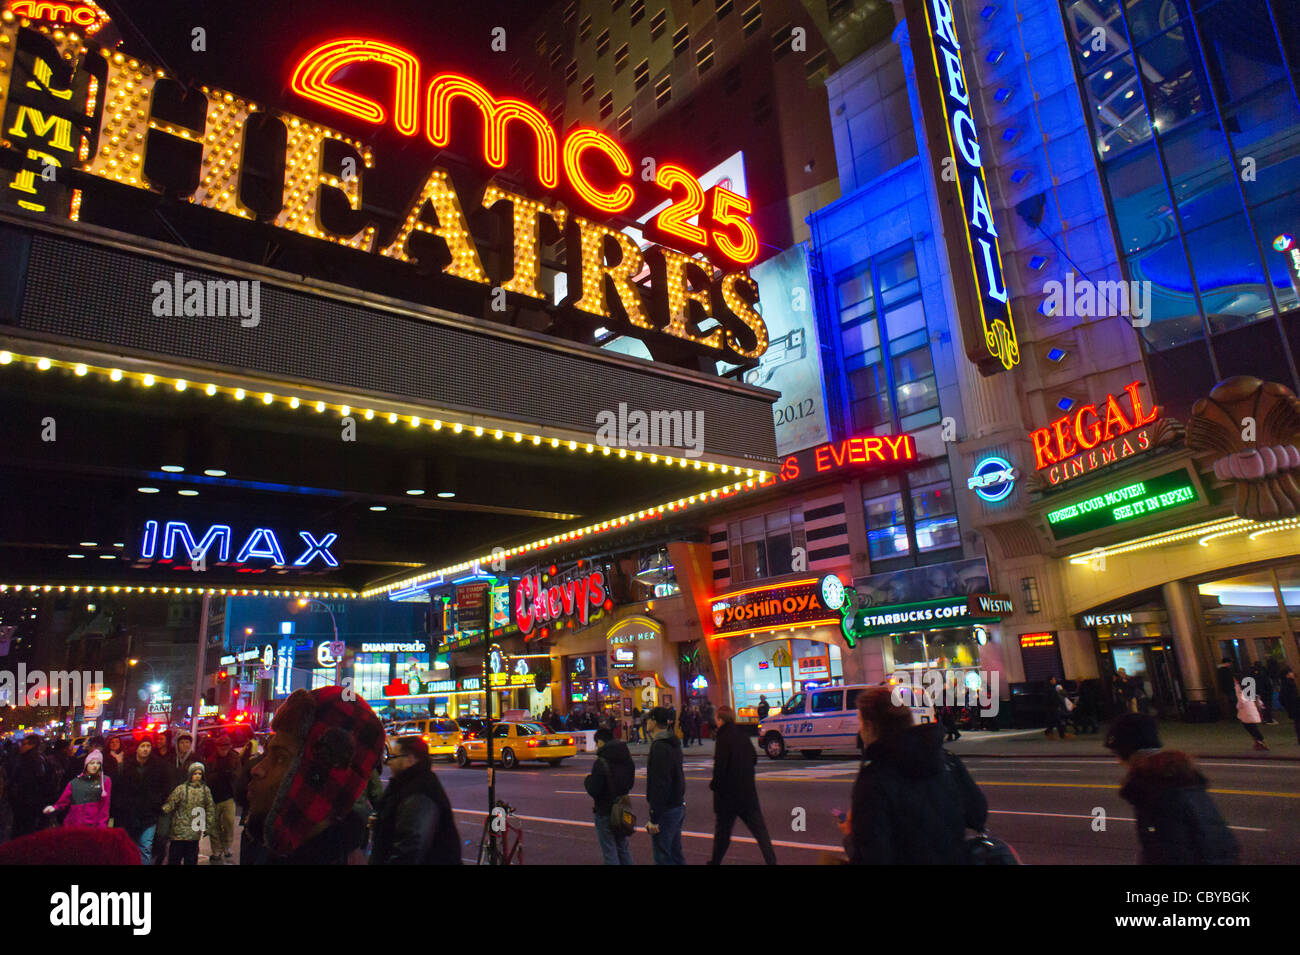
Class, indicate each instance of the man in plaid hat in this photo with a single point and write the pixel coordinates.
(325, 745)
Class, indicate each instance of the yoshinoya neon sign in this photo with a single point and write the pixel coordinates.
(795, 603)
(987, 326)
(175, 541)
(321, 195)
(537, 602)
(1094, 436)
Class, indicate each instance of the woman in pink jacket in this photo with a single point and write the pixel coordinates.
(86, 798)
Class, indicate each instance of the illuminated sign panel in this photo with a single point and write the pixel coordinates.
(993, 480)
(322, 173)
(771, 607)
(1138, 499)
(173, 540)
(540, 602)
(987, 328)
(956, 611)
(850, 454)
(1094, 436)
(1029, 640)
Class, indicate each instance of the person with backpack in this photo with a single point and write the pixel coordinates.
(1177, 822)
(192, 809)
(610, 780)
(912, 801)
(87, 797)
(414, 824)
(735, 790)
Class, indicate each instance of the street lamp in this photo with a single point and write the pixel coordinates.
(338, 662)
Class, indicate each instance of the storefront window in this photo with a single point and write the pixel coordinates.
(754, 673)
(370, 675)
(763, 546)
(937, 649)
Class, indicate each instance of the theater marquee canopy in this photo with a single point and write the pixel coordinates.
(229, 362)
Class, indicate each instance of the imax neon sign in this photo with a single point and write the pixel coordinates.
(174, 540)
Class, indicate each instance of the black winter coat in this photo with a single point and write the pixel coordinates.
(415, 825)
(665, 782)
(222, 773)
(733, 785)
(138, 793)
(612, 775)
(1177, 821)
(1289, 696)
(912, 803)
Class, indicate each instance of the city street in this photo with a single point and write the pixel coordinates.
(1043, 806)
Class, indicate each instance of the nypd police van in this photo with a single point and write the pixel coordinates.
(824, 720)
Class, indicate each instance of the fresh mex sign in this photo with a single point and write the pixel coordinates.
(698, 277)
(987, 327)
(1094, 436)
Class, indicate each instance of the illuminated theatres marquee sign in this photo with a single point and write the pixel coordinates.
(982, 302)
(71, 104)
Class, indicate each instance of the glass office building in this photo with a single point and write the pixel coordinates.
(1196, 121)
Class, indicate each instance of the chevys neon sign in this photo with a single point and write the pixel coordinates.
(321, 169)
(537, 603)
(1094, 436)
(988, 329)
(848, 454)
(261, 543)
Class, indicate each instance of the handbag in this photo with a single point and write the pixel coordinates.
(985, 849)
(622, 821)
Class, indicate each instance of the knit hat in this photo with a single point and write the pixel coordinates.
(75, 845)
(341, 741)
(189, 770)
(94, 756)
(1132, 732)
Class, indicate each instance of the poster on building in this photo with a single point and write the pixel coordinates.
(792, 363)
(924, 583)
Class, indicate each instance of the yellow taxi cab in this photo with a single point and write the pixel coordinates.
(442, 736)
(513, 743)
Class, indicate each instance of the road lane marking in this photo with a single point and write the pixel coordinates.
(1217, 792)
(810, 846)
(1070, 815)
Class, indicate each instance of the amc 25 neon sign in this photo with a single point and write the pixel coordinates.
(723, 231)
(174, 540)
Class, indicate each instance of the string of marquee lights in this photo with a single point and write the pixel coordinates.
(1205, 532)
(752, 478)
(173, 590)
(150, 380)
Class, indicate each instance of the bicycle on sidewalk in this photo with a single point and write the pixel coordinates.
(502, 842)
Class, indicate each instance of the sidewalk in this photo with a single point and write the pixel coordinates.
(1197, 739)
(1215, 740)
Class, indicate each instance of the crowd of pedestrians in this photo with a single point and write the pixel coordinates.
(315, 795)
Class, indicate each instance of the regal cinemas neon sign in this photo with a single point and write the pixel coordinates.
(699, 296)
(1094, 436)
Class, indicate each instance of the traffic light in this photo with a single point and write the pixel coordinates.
(223, 675)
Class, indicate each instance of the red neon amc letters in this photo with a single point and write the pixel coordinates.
(724, 228)
(1089, 427)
